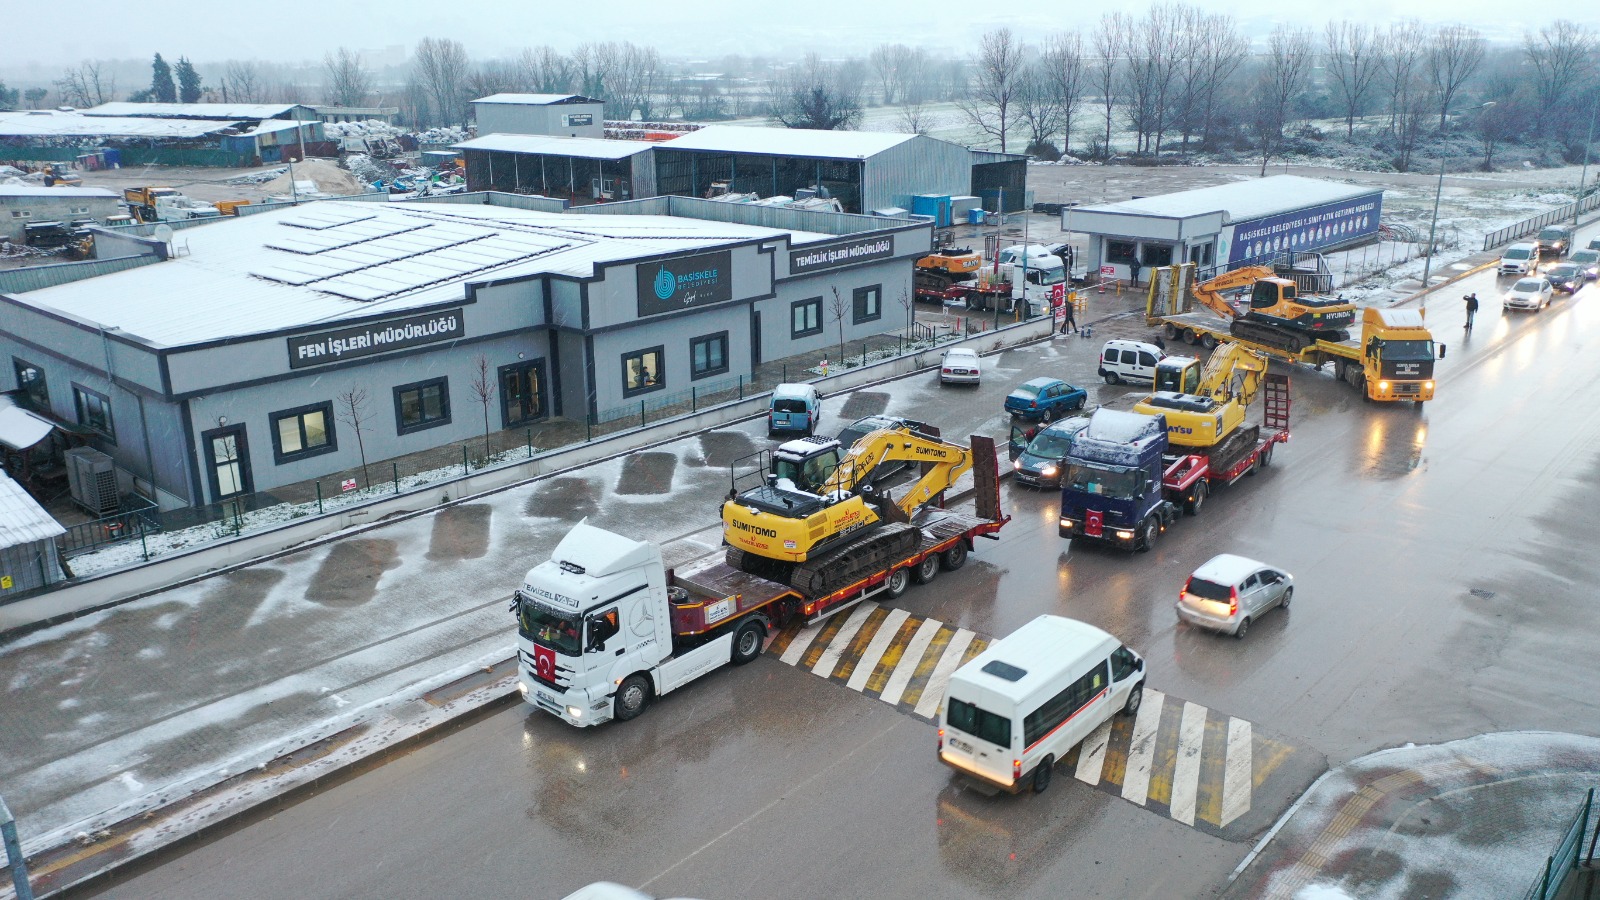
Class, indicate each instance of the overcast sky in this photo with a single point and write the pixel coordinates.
(36, 38)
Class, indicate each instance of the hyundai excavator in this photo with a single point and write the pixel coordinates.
(819, 521)
(1278, 315)
(1205, 407)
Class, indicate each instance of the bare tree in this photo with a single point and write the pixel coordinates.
(1284, 71)
(491, 78)
(888, 63)
(1105, 71)
(818, 95)
(1150, 71)
(1452, 57)
(440, 67)
(90, 84)
(838, 308)
(1352, 62)
(916, 119)
(1067, 74)
(1562, 55)
(352, 411)
(1408, 130)
(1222, 49)
(346, 82)
(908, 302)
(483, 391)
(544, 70)
(1495, 124)
(242, 81)
(634, 72)
(592, 65)
(1037, 106)
(996, 83)
(1400, 55)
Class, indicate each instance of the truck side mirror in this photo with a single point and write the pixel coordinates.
(1441, 351)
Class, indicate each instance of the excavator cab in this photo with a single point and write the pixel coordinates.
(804, 465)
(1268, 293)
(1178, 374)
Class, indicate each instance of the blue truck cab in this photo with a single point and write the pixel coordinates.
(1111, 487)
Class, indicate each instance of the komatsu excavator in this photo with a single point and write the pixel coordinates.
(1278, 315)
(1205, 407)
(819, 520)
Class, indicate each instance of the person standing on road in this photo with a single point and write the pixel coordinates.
(1068, 322)
(1472, 309)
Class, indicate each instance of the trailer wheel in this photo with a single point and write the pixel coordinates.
(1192, 506)
(1266, 457)
(1041, 775)
(954, 558)
(1190, 336)
(1146, 538)
(1208, 341)
(1173, 332)
(924, 572)
(632, 698)
(898, 581)
(747, 641)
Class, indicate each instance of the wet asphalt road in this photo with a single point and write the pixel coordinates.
(772, 782)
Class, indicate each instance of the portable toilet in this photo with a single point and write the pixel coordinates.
(934, 206)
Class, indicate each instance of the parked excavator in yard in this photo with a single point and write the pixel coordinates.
(818, 520)
(1278, 315)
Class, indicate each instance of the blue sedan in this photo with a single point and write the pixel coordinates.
(1045, 400)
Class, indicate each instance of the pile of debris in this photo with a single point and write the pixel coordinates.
(261, 177)
(325, 174)
(369, 128)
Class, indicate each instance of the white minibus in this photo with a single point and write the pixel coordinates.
(1016, 708)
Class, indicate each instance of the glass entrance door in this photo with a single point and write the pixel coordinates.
(522, 392)
(229, 463)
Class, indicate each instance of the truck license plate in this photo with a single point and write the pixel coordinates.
(545, 698)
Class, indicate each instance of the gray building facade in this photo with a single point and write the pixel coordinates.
(565, 115)
(21, 206)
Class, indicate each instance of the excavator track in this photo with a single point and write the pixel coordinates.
(824, 575)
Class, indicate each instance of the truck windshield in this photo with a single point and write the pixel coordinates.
(1109, 481)
(978, 722)
(548, 627)
(1404, 351)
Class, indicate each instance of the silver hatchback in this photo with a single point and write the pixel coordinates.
(1229, 592)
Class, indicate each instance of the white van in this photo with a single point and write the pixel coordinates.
(1129, 361)
(1028, 698)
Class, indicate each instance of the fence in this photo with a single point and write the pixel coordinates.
(678, 401)
(130, 524)
(1571, 853)
(1567, 213)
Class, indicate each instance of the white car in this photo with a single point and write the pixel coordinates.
(1528, 293)
(959, 366)
(1229, 592)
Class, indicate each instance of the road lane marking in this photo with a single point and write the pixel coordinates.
(841, 640)
(1142, 748)
(910, 658)
(802, 641)
(1092, 755)
(933, 691)
(1236, 773)
(887, 630)
(1186, 771)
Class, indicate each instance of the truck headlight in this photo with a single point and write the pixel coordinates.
(575, 712)
(1428, 385)
(1124, 535)
(1383, 385)
(523, 687)
(1067, 524)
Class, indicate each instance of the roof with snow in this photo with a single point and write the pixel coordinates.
(554, 145)
(536, 99)
(21, 428)
(31, 190)
(40, 123)
(193, 110)
(22, 520)
(1240, 201)
(331, 260)
(807, 142)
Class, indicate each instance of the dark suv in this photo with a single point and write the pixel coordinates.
(1555, 241)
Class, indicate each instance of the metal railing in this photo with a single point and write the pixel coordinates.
(137, 519)
(1554, 217)
(1576, 850)
(678, 402)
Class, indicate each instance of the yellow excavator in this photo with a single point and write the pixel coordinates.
(1205, 407)
(820, 518)
(1278, 316)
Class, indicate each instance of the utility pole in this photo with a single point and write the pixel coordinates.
(1577, 208)
(19, 863)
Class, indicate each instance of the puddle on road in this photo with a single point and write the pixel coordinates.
(349, 575)
(647, 473)
(864, 403)
(719, 449)
(568, 499)
(461, 532)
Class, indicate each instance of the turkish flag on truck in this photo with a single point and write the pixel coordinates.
(1094, 522)
(544, 663)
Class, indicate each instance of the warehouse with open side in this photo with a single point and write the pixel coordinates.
(280, 346)
(1227, 226)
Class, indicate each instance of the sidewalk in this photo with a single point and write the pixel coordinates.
(1471, 818)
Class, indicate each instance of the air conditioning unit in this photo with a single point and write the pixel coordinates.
(92, 478)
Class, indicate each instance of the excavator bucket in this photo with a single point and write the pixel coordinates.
(985, 477)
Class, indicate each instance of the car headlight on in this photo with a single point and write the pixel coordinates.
(575, 712)
(1016, 464)
(1048, 471)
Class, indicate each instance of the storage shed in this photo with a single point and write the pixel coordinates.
(567, 115)
(28, 555)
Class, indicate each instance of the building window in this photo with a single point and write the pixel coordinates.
(805, 318)
(641, 371)
(94, 411)
(306, 431)
(708, 355)
(30, 380)
(1157, 255)
(1121, 251)
(423, 405)
(868, 303)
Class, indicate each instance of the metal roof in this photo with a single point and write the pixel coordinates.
(1240, 201)
(23, 521)
(805, 142)
(71, 124)
(555, 145)
(323, 262)
(30, 190)
(536, 99)
(192, 110)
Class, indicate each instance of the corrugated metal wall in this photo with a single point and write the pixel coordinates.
(922, 165)
(29, 566)
(34, 278)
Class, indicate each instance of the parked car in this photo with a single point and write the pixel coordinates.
(1520, 259)
(794, 408)
(1044, 399)
(1566, 277)
(1528, 293)
(1588, 261)
(1037, 461)
(960, 366)
(1554, 241)
(1128, 361)
(1594, 243)
(1230, 592)
(868, 424)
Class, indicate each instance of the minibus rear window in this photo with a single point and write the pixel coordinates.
(980, 723)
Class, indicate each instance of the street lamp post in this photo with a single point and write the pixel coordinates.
(1577, 207)
(1433, 224)
(294, 190)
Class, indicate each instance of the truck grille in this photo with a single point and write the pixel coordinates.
(1404, 390)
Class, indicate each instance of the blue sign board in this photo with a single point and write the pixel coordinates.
(674, 284)
(1303, 230)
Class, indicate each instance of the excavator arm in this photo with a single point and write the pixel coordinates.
(1233, 371)
(949, 461)
(1210, 292)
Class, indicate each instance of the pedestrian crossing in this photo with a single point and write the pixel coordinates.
(1174, 757)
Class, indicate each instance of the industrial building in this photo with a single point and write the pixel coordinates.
(214, 111)
(567, 115)
(24, 205)
(1226, 226)
(336, 114)
(55, 136)
(577, 169)
(281, 345)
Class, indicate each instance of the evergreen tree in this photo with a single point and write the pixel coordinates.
(9, 98)
(162, 90)
(188, 81)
